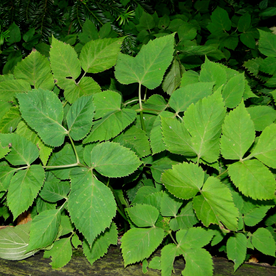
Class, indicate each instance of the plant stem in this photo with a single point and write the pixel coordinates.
(141, 108)
(73, 145)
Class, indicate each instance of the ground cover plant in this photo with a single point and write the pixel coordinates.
(190, 169)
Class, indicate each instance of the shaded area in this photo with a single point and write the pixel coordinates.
(112, 264)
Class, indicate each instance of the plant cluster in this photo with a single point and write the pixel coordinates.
(185, 157)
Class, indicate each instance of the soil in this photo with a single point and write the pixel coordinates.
(112, 264)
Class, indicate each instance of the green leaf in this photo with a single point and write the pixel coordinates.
(267, 43)
(14, 242)
(156, 138)
(4, 150)
(168, 254)
(23, 189)
(263, 241)
(65, 156)
(198, 262)
(176, 137)
(183, 180)
(112, 160)
(220, 21)
(101, 244)
(150, 64)
(143, 215)
(35, 69)
(244, 22)
(136, 140)
(255, 215)
(253, 179)
(22, 151)
(114, 119)
(265, 150)
(212, 72)
(44, 151)
(79, 117)
(183, 97)
(10, 120)
(64, 61)
(185, 219)
(193, 237)
(139, 243)
(54, 190)
(43, 112)
(73, 91)
(236, 248)
(233, 91)
(262, 116)
(44, 229)
(215, 205)
(89, 32)
(203, 121)
(238, 133)
(8, 89)
(6, 173)
(61, 253)
(99, 55)
(91, 204)
(169, 205)
(173, 78)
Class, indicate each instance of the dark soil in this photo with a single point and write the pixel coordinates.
(112, 265)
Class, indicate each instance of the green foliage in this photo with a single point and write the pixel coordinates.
(186, 170)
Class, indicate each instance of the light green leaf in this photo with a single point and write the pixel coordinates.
(183, 97)
(236, 248)
(135, 139)
(91, 204)
(150, 64)
(64, 61)
(44, 151)
(267, 44)
(4, 150)
(173, 78)
(43, 112)
(6, 173)
(203, 121)
(255, 215)
(112, 160)
(22, 151)
(238, 133)
(23, 189)
(139, 243)
(253, 179)
(61, 253)
(79, 117)
(176, 137)
(262, 116)
(185, 219)
(168, 254)
(215, 205)
(101, 244)
(213, 72)
(198, 262)
(143, 215)
(35, 69)
(263, 241)
(156, 138)
(44, 229)
(183, 180)
(99, 55)
(265, 150)
(14, 242)
(233, 91)
(55, 190)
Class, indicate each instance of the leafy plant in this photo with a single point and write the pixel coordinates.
(186, 171)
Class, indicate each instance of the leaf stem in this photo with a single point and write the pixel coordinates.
(61, 166)
(73, 145)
